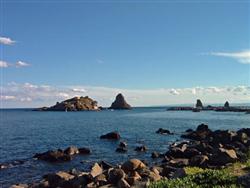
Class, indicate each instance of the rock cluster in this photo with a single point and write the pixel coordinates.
(120, 103)
(203, 148)
(61, 155)
(73, 104)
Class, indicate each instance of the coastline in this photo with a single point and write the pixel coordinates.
(201, 148)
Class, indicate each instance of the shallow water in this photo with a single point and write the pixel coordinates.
(25, 132)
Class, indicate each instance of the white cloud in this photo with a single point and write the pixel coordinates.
(242, 56)
(17, 95)
(4, 64)
(7, 97)
(174, 92)
(79, 90)
(6, 41)
(21, 64)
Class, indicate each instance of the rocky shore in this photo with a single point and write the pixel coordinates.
(201, 148)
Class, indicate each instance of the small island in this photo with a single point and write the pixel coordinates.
(120, 103)
(73, 104)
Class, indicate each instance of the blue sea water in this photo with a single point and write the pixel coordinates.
(25, 132)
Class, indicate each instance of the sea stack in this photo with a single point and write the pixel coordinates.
(199, 104)
(226, 105)
(120, 103)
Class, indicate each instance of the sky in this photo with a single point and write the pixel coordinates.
(154, 52)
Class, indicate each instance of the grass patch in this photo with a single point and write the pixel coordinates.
(207, 178)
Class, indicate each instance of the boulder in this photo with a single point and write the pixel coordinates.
(19, 186)
(123, 184)
(84, 151)
(115, 175)
(53, 156)
(123, 145)
(132, 165)
(223, 156)
(133, 177)
(105, 165)
(121, 150)
(199, 160)
(244, 180)
(58, 179)
(120, 103)
(163, 131)
(202, 132)
(111, 136)
(155, 155)
(72, 150)
(96, 170)
(141, 148)
(223, 136)
(179, 162)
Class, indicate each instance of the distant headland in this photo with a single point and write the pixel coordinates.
(200, 107)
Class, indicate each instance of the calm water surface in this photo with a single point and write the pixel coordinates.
(25, 132)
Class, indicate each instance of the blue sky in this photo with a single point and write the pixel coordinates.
(143, 46)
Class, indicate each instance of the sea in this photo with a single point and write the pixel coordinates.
(24, 132)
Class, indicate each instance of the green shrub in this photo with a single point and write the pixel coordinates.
(204, 179)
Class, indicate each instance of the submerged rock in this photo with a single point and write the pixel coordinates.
(53, 156)
(163, 131)
(120, 103)
(111, 136)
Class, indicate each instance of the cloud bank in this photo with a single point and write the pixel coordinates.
(241, 57)
(6, 41)
(31, 95)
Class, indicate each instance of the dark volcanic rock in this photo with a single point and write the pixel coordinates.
(120, 103)
(84, 151)
(53, 156)
(226, 105)
(199, 104)
(73, 104)
(163, 131)
(111, 136)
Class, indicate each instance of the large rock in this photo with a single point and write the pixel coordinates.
(73, 104)
(199, 104)
(58, 179)
(223, 156)
(53, 156)
(202, 132)
(132, 165)
(111, 136)
(115, 175)
(72, 150)
(226, 105)
(120, 103)
(96, 170)
(163, 131)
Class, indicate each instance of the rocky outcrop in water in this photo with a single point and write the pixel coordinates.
(120, 103)
(73, 104)
(61, 155)
(111, 136)
(199, 104)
